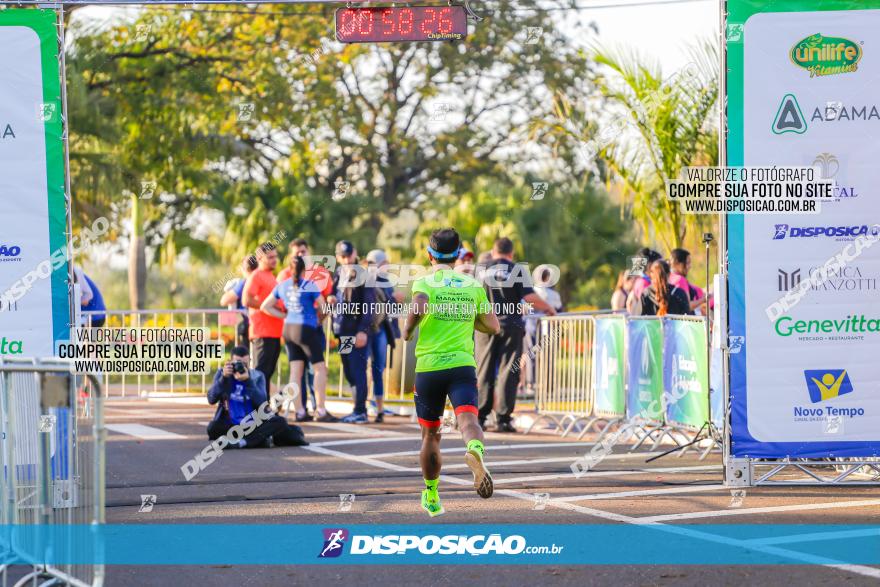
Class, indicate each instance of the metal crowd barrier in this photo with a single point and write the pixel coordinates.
(590, 377)
(52, 462)
(399, 372)
(563, 369)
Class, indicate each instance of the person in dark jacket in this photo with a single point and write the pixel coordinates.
(385, 330)
(661, 297)
(498, 356)
(238, 391)
(352, 326)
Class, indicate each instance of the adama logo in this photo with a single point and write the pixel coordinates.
(826, 55)
(789, 117)
(334, 542)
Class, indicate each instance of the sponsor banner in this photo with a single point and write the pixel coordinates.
(608, 365)
(685, 372)
(436, 544)
(644, 369)
(802, 290)
(31, 183)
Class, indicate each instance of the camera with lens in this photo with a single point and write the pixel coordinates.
(239, 367)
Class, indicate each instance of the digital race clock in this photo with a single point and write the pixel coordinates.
(403, 23)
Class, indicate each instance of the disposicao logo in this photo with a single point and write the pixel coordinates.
(826, 55)
(782, 231)
(334, 541)
(825, 384)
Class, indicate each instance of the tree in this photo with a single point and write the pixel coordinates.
(257, 114)
(574, 227)
(658, 125)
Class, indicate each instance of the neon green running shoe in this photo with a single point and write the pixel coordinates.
(431, 504)
(482, 479)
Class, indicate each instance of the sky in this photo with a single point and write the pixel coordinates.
(662, 31)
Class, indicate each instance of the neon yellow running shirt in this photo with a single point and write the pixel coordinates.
(446, 333)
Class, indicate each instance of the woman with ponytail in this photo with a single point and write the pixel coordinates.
(663, 298)
(303, 302)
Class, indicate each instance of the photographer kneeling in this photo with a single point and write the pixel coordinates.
(241, 395)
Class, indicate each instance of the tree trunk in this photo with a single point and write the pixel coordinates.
(137, 259)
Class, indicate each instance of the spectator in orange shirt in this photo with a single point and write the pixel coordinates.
(265, 330)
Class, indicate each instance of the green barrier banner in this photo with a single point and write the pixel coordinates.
(644, 368)
(685, 372)
(608, 364)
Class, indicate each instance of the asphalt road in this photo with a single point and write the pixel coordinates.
(378, 464)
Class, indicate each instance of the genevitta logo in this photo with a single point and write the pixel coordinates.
(334, 542)
(839, 233)
(789, 117)
(851, 328)
(9, 253)
(11, 347)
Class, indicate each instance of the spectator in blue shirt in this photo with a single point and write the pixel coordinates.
(302, 300)
(91, 300)
(231, 297)
(238, 391)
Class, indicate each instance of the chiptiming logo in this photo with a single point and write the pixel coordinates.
(826, 55)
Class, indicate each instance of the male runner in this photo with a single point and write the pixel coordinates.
(448, 305)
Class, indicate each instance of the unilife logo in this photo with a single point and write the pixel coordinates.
(826, 55)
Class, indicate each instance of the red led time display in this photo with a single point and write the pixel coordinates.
(403, 23)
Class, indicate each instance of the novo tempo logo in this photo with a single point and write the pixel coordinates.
(826, 384)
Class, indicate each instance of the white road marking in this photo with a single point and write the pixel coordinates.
(356, 429)
(143, 432)
(552, 476)
(763, 510)
(359, 459)
(815, 536)
(493, 448)
(642, 493)
(366, 441)
(682, 530)
(569, 459)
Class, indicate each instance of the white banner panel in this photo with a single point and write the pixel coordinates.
(31, 186)
(804, 288)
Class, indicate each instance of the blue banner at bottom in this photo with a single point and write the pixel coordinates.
(598, 544)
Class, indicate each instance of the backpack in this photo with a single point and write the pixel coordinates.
(379, 317)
